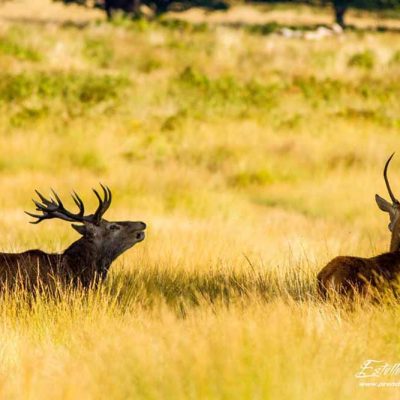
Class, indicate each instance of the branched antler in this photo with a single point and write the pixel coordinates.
(104, 204)
(54, 208)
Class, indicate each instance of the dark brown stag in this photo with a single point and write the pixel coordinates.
(86, 261)
(345, 275)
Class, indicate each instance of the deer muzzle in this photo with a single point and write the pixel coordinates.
(140, 236)
(139, 231)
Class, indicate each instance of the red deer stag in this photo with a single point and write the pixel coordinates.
(86, 261)
(345, 275)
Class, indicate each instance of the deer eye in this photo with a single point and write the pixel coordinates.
(114, 227)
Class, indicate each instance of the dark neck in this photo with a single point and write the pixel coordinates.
(85, 259)
(395, 241)
(395, 238)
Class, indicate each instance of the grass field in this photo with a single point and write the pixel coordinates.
(254, 159)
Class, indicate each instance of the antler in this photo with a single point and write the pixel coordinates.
(104, 204)
(394, 200)
(54, 208)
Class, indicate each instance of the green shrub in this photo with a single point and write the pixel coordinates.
(10, 47)
(319, 89)
(224, 92)
(364, 59)
(27, 115)
(72, 87)
(15, 42)
(174, 121)
(98, 51)
(264, 29)
(89, 160)
(181, 25)
(247, 178)
(395, 59)
(150, 64)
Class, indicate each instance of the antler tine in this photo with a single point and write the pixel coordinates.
(40, 218)
(104, 203)
(394, 200)
(78, 201)
(43, 199)
(58, 200)
(39, 206)
(99, 199)
(107, 195)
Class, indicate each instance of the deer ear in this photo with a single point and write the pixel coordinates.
(81, 229)
(383, 204)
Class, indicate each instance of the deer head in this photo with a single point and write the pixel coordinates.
(109, 239)
(392, 208)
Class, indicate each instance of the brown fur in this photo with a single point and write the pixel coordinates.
(346, 275)
(29, 268)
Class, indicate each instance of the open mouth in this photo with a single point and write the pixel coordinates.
(139, 235)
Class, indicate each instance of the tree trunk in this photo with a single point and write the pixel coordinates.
(107, 7)
(136, 7)
(161, 6)
(340, 7)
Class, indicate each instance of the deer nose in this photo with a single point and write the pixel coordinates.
(139, 235)
(143, 225)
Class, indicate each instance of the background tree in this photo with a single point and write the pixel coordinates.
(132, 7)
(341, 6)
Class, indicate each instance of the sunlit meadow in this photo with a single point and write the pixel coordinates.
(253, 158)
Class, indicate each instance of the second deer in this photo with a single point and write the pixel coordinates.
(346, 274)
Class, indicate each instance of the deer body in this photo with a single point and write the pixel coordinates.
(345, 274)
(29, 268)
(86, 261)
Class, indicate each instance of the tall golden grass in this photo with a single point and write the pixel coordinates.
(254, 160)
